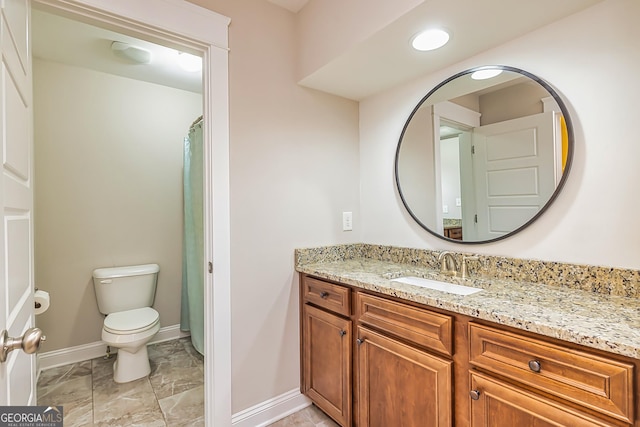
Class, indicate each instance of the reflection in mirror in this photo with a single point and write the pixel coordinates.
(480, 159)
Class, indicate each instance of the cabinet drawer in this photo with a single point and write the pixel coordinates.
(498, 400)
(423, 327)
(591, 381)
(327, 295)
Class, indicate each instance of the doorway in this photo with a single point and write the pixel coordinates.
(207, 36)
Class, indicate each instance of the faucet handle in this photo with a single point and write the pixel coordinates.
(464, 273)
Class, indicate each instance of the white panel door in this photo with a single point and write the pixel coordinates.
(514, 172)
(17, 373)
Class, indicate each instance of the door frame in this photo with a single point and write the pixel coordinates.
(183, 25)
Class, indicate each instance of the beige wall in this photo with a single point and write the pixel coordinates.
(294, 170)
(326, 28)
(516, 101)
(108, 190)
(594, 220)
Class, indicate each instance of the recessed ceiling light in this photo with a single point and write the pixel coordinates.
(485, 74)
(430, 39)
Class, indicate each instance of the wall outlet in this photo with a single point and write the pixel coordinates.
(347, 221)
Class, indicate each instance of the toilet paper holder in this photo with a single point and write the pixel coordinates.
(37, 304)
(41, 301)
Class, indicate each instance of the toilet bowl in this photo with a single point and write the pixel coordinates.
(125, 295)
(130, 331)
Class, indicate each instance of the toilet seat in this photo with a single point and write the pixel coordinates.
(131, 321)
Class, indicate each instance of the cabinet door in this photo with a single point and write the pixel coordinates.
(399, 385)
(326, 357)
(498, 404)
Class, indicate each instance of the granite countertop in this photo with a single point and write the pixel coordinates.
(605, 322)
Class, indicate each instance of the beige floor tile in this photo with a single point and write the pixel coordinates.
(318, 417)
(132, 403)
(310, 416)
(184, 409)
(74, 395)
(65, 373)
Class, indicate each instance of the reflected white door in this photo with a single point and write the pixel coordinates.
(514, 172)
(17, 373)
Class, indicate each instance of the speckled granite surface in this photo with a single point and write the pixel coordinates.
(451, 222)
(594, 306)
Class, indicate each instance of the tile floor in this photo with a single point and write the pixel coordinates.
(172, 395)
(308, 417)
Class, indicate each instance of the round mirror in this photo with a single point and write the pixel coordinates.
(483, 154)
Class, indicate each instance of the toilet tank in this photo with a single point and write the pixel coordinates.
(125, 288)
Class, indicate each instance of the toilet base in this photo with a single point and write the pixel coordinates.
(131, 366)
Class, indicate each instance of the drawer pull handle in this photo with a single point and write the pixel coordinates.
(534, 365)
(342, 333)
(359, 341)
(324, 294)
(475, 394)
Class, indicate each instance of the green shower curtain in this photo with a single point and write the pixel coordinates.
(192, 313)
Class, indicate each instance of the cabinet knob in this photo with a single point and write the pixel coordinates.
(324, 294)
(534, 365)
(475, 394)
(343, 333)
(359, 341)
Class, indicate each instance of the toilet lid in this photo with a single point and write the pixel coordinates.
(131, 321)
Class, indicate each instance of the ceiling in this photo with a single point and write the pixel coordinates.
(386, 58)
(71, 42)
(380, 61)
(292, 5)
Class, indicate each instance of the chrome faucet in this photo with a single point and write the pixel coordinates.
(448, 265)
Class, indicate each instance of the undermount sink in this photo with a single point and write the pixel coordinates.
(437, 285)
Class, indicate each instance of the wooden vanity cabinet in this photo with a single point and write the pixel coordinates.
(400, 356)
(532, 382)
(454, 233)
(370, 360)
(401, 378)
(327, 348)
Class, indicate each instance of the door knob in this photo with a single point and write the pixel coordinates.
(29, 342)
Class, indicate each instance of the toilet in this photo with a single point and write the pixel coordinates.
(125, 295)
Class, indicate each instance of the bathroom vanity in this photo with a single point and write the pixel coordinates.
(380, 352)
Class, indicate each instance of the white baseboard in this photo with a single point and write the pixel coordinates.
(80, 353)
(270, 411)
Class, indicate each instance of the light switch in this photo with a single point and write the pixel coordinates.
(347, 221)
(445, 208)
(458, 201)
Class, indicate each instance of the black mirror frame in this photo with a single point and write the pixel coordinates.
(567, 168)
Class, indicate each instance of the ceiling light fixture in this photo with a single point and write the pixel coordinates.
(190, 63)
(430, 39)
(131, 53)
(485, 74)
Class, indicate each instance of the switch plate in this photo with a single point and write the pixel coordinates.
(347, 221)
(458, 201)
(445, 208)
